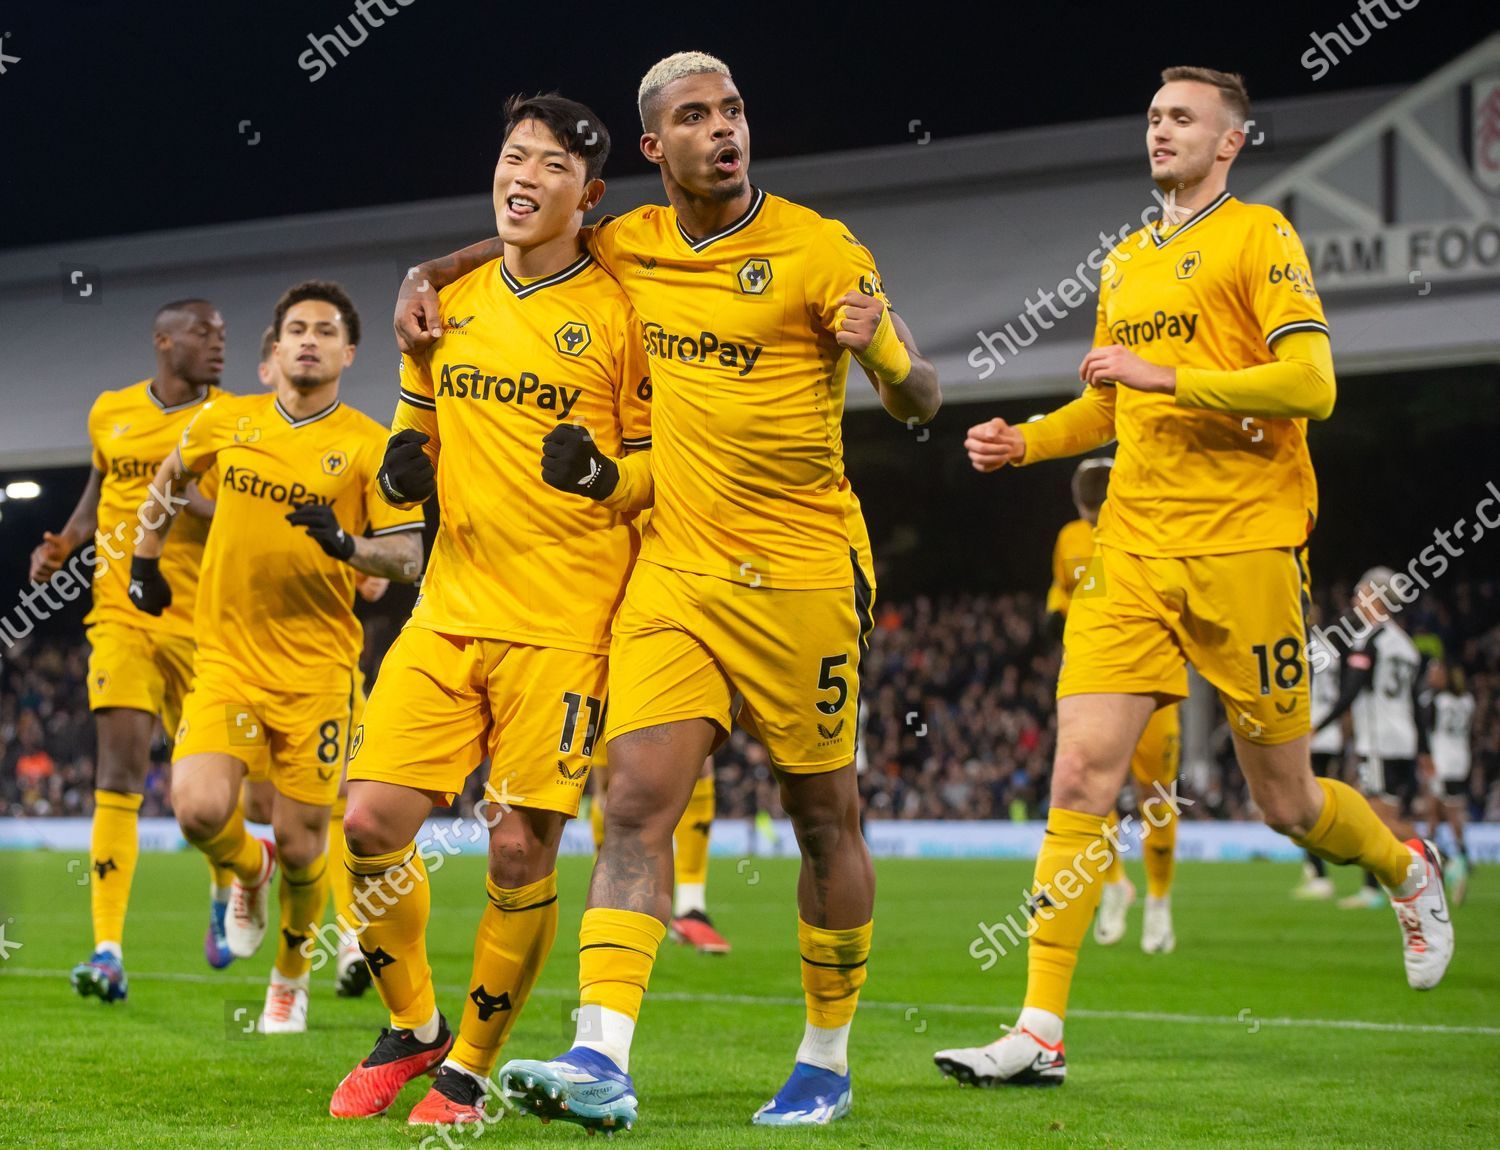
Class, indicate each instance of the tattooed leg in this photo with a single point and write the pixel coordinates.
(651, 776)
(836, 887)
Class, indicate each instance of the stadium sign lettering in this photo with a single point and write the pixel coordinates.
(1159, 326)
(466, 381)
(663, 344)
(248, 482)
(1461, 249)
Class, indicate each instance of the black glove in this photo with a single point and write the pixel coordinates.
(148, 590)
(571, 461)
(406, 474)
(323, 525)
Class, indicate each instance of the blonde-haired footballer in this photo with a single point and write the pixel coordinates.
(1157, 755)
(139, 667)
(296, 518)
(505, 656)
(754, 576)
(1210, 355)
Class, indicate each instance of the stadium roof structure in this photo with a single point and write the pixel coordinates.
(1388, 188)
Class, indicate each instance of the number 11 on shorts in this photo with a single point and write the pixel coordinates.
(573, 702)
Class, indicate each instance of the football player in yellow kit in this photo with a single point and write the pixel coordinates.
(139, 667)
(297, 516)
(1210, 355)
(754, 575)
(505, 656)
(1156, 756)
(257, 796)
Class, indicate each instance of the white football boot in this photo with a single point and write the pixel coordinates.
(1426, 927)
(249, 908)
(286, 1007)
(1156, 926)
(1019, 1058)
(1315, 887)
(1109, 922)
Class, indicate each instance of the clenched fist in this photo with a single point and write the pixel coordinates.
(993, 444)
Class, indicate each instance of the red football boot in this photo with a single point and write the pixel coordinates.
(398, 1057)
(456, 1099)
(695, 930)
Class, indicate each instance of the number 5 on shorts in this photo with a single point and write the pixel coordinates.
(828, 681)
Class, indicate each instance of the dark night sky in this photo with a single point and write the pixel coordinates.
(124, 117)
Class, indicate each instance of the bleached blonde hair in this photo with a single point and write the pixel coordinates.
(665, 71)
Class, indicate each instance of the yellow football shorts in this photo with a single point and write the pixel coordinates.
(1136, 622)
(684, 644)
(442, 703)
(140, 670)
(296, 740)
(1159, 753)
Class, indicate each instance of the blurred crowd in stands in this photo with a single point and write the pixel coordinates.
(957, 715)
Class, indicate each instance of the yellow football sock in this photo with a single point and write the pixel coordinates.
(690, 858)
(223, 876)
(515, 937)
(114, 848)
(834, 965)
(395, 941)
(1348, 831)
(304, 890)
(1160, 845)
(616, 950)
(596, 820)
(1114, 871)
(235, 849)
(340, 882)
(1065, 894)
(220, 876)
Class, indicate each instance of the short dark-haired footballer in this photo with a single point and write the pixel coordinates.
(296, 520)
(505, 655)
(139, 667)
(1211, 353)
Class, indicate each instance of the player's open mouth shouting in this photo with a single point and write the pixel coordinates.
(728, 160)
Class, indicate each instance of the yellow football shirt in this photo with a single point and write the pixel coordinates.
(514, 558)
(1217, 292)
(131, 432)
(274, 609)
(748, 453)
(1071, 555)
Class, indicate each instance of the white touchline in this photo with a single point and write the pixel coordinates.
(998, 1009)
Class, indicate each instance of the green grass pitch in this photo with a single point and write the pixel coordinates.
(1275, 1023)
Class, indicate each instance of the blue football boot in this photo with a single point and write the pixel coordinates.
(812, 1096)
(102, 976)
(215, 942)
(581, 1086)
